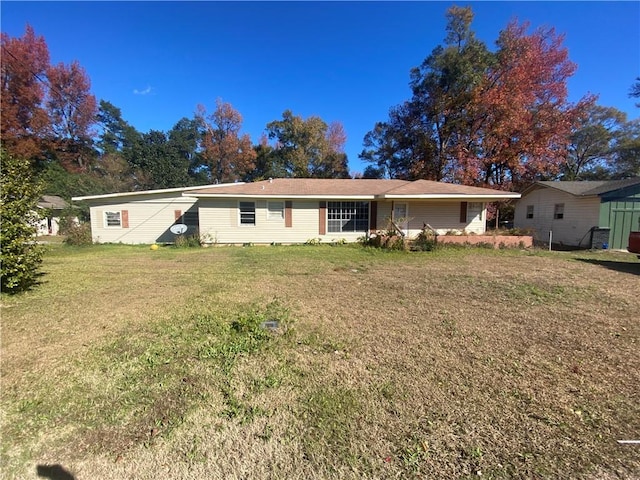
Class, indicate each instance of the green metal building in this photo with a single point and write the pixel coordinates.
(620, 211)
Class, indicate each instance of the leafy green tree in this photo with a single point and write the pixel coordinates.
(20, 256)
(422, 136)
(268, 164)
(56, 180)
(592, 143)
(443, 87)
(116, 135)
(634, 91)
(157, 164)
(625, 161)
(395, 146)
(184, 141)
(308, 148)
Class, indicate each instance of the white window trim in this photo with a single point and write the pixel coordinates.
(533, 212)
(341, 232)
(104, 219)
(480, 213)
(255, 215)
(405, 225)
(275, 218)
(556, 207)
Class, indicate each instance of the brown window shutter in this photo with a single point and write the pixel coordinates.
(288, 219)
(463, 212)
(373, 216)
(125, 218)
(177, 214)
(322, 218)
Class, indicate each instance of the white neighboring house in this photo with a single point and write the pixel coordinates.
(50, 208)
(290, 210)
(586, 214)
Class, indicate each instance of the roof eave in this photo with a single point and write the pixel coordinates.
(449, 196)
(149, 192)
(275, 195)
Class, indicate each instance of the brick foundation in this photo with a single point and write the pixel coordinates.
(509, 241)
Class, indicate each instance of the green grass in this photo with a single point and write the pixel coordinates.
(455, 363)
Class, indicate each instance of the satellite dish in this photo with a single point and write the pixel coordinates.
(178, 228)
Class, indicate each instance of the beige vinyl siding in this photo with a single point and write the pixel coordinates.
(149, 217)
(443, 216)
(219, 222)
(574, 229)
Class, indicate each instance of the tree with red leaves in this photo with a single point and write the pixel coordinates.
(24, 121)
(521, 119)
(46, 110)
(72, 111)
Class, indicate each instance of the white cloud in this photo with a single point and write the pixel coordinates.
(146, 91)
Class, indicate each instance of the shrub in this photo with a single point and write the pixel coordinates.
(78, 234)
(21, 256)
(395, 242)
(188, 241)
(426, 241)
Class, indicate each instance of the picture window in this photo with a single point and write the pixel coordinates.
(347, 217)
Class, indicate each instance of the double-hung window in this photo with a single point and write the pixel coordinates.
(275, 210)
(247, 213)
(344, 217)
(558, 211)
(529, 211)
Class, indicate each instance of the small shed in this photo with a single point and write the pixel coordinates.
(583, 214)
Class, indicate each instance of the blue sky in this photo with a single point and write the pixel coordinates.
(342, 61)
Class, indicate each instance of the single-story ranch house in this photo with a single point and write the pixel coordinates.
(289, 210)
(587, 214)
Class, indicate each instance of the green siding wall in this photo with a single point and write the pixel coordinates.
(622, 215)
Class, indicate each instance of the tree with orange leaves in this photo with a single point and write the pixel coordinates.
(229, 155)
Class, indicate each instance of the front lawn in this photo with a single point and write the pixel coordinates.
(323, 362)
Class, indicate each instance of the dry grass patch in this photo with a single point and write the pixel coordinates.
(456, 363)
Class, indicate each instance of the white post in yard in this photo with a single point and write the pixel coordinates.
(550, 238)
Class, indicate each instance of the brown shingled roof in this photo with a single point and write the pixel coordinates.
(429, 187)
(345, 188)
(584, 188)
(305, 187)
(53, 202)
